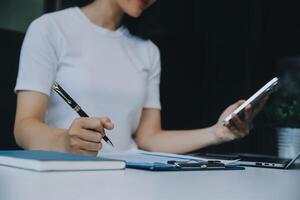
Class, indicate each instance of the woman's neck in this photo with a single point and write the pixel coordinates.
(104, 13)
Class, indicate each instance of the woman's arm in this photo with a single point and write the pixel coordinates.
(151, 137)
(83, 136)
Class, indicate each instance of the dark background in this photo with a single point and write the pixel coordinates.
(213, 53)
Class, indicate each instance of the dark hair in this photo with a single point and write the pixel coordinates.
(142, 27)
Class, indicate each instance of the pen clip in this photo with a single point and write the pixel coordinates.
(55, 87)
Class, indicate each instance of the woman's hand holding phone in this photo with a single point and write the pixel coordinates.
(237, 128)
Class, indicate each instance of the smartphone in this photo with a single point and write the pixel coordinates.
(267, 89)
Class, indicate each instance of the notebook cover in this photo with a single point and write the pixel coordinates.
(21, 156)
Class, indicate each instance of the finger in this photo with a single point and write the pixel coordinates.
(89, 135)
(107, 123)
(85, 122)
(77, 143)
(260, 105)
(82, 133)
(238, 123)
(239, 133)
(248, 113)
(236, 133)
(228, 125)
(93, 123)
(89, 123)
(235, 105)
(85, 152)
(240, 102)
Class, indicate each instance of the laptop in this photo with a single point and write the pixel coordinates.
(253, 160)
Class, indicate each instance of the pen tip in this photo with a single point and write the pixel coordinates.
(108, 141)
(111, 143)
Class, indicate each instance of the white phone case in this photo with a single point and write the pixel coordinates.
(267, 89)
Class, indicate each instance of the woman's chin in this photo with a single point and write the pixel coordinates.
(135, 14)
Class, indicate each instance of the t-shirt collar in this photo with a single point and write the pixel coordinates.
(118, 32)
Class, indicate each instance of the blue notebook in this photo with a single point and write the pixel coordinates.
(55, 161)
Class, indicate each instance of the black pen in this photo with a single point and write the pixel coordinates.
(61, 92)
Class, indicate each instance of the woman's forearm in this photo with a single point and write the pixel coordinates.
(179, 141)
(31, 133)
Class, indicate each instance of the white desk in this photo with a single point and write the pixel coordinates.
(252, 183)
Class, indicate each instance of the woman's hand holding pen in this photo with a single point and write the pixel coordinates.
(85, 134)
(237, 128)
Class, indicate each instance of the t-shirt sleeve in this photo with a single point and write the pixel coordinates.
(38, 59)
(153, 93)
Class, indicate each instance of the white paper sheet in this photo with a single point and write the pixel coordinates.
(138, 156)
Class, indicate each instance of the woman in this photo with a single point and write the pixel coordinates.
(109, 72)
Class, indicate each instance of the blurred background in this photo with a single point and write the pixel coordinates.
(213, 54)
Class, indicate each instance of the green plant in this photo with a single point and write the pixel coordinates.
(284, 106)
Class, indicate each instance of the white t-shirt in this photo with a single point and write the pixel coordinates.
(108, 73)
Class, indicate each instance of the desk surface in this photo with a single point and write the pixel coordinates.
(252, 183)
